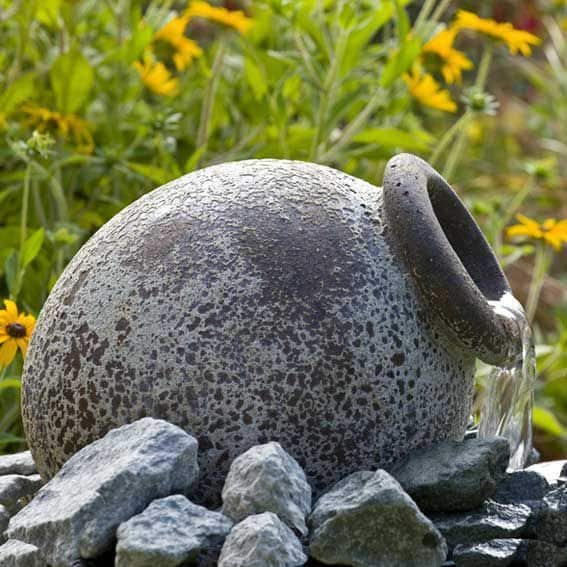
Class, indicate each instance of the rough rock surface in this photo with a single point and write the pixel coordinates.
(550, 520)
(4, 519)
(491, 521)
(554, 471)
(18, 463)
(78, 511)
(169, 532)
(521, 486)
(266, 479)
(278, 288)
(15, 487)
(262, 540)
(367, 520)
(510, 552)
(16, 553)
(454, 475)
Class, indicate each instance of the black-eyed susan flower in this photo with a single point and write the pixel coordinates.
(516, 40)
(66, 125)
(156, 76)
(235, 19)
(185, 49)
(427, 91)
(15, 332)
(551, 231)
(453, 61)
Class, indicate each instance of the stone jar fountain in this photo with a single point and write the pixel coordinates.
(271, 300)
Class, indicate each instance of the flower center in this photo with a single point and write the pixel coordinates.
(16, 330)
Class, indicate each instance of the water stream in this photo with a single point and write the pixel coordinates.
(507, 408)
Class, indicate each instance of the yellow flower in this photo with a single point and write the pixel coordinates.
(70, 124)
(552, 232)
(516, 40)
(185, 49)
(426, 90)
(15, 332)
(232, 18)
(156, 77)
(454, 62)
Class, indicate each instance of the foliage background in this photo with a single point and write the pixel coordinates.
(82, 135)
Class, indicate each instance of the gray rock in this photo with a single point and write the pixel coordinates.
(18, 463)
(508, 552)
(453, 475)
(15, 487)
(554, 471)
(169, 532)
(16, 553)
(4, 519)
(550, 522)
(367, 520)
(262, 540)
(266, 479)
(77, 512)
(491, 521)
(521, 486)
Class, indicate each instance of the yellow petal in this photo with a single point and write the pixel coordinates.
(8, 352)
(23, 345)
(11, 307)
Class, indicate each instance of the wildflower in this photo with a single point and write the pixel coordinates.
(15, 332)
(156, 77)
(232, 18)
(552, 232)
(185, 49)
(480, 101)
(454, 62)
(425, 89)
(516, 40)
(70, 124)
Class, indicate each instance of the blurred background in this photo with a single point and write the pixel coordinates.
(102, 101)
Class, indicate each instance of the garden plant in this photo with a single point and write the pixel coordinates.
(100, 102)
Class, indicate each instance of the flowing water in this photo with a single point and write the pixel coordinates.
(507, 408)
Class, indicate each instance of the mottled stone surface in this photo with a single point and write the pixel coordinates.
(521, 486)
(367, 520)
(247, 302)
(169, 532)
(16, 553)
(453, 475)
(16, 487)
(510, 553)
(4, 519)
(550, 521)
(18, 463)
(491, 521)
(262, 540)
(76, 513)
(266, 479)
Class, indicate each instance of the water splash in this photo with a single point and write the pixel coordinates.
(507, 408)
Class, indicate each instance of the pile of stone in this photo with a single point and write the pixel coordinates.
(123, 501)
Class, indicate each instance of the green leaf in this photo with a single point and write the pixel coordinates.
(256, 79)
(32, 246)
(11, 271)
(395, 138)
(156, 174)
(19, 91)
(11, 383)
(71, 79)
(400, 61)
(545, 420)
(194, 158)
(8, 438)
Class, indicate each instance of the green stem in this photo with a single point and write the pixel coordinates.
(423, 13)
(10, 418)
(448, 137)
(440, 10)
(23, 231)
(327, 96)
(209, 98)
(483, 68)
(355, 125)
(542, 263)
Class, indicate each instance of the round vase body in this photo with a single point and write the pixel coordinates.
(246, 302)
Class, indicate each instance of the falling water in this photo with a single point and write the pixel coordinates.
(507, 408)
